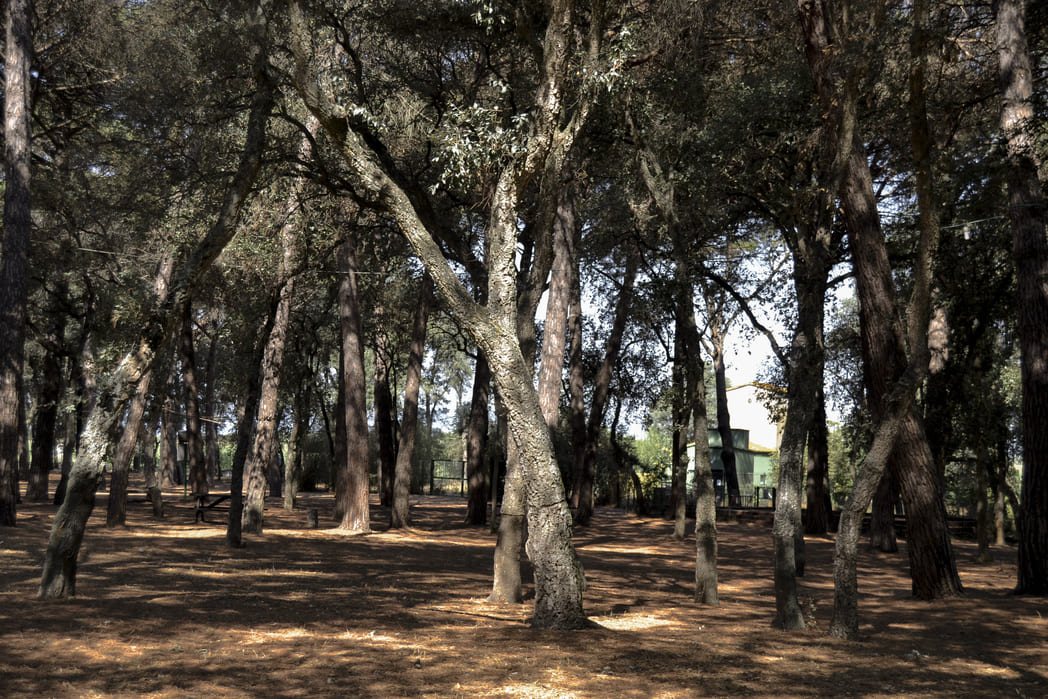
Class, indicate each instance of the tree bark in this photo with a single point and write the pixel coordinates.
(245, 437)
(1026, 211)
(58, 578)
(14, 262)
(400, 514)
(727, 455)
(354, 480)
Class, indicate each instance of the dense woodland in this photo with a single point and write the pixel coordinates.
(332, 240)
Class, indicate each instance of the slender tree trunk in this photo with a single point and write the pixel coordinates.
(387, 452)
(116, 513)
(477, 444)
(195, 466)
(1026, 210)
(817, 490)
(212, 457)
(169, 468)
(400, 514)
(58, 577)
(576, 375)
(353, 494)
(45, 421)
(14, 262)
(245, 437)
(727, 455)
(601, 387)
(679, 454)
(297, 441)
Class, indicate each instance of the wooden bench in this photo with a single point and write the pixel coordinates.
(203, 505)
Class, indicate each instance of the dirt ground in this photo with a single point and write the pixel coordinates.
(165, 609)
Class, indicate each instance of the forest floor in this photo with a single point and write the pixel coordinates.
(166, 609)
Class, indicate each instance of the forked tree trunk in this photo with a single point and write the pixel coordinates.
(400, 514)
(1026, 210)
(354, 473)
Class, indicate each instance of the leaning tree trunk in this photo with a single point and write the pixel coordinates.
(1026, 210)
(245, 437)
(58, 578)
(14, 263)
(400, 514)
(116, 508)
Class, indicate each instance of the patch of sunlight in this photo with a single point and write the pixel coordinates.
(631, 622)
(529, 691)
(645, 550)
(261, 572)
(176, 533)
(281, 635)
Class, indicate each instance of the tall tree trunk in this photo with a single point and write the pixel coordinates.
(1026, 210)
(576, 375)
(212, 456)
(14, 262)
(932, 565)
(727, 455)
(705, 497)
(297, 441)
(601, 387)
(58, 577)
(400, 515)
(265, 443)
(354, 481)
(46, 419)
(477, 444)
(248, 411)
(817, 488)
(678, 505)
(387, 452)
(506, 582)
(116, 512)
(195, 466)
(170, 474)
